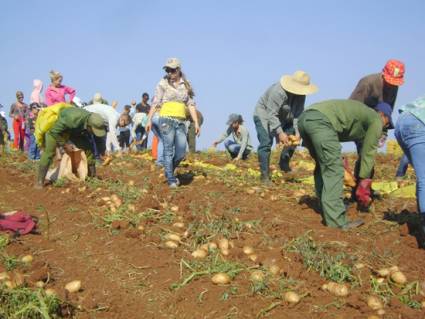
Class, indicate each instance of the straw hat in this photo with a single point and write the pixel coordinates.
(298, 83)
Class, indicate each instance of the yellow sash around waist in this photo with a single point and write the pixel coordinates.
(173, 109)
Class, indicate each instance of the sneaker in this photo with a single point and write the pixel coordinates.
(177, 182)
(353, 224)
(173, 185)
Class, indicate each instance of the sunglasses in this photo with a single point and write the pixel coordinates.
(169, 70)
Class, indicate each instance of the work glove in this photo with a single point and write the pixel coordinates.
(364, 192)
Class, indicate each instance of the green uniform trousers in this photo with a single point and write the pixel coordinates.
(81, 141)
(324, 146)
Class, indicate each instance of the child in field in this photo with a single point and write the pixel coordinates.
(33, 149)
(124, 131)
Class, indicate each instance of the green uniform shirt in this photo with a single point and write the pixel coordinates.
(353, 121)
(72, 122)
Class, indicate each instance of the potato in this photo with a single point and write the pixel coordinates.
(257, 276)
(73, 286)
(291, 297)
(171, 244)
(200, 254)
(4, 276)
(223, 244)
(27, 259)
(178, 225)
(384, 272)
(248, 250)
(253, 257)
(221, 278)
(398, 277)
(173, 237)
(339, 290)
(274, 270)
(374, 303)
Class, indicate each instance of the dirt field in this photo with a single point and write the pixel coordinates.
(118, 247)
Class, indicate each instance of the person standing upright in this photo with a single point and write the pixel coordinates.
(276, 115)
(143, 107)
(172, 95)
(18, 113)
(56, 91)
(36, 96)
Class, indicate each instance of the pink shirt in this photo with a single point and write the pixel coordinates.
(56, 95)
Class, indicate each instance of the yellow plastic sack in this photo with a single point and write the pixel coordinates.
(408, 191)
(45, 120)
(394, 149)
(385, 187)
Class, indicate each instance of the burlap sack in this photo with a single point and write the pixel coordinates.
(72, 166)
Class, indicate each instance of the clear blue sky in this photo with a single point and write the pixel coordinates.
(231, 51)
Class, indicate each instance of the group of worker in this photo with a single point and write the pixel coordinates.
(280, 114)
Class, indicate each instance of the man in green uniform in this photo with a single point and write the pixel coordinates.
(322, 127)
(77, 126)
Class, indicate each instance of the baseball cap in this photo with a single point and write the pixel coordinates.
(393, 72)
(234, 118)
(97, 125)
(172, 63)
(387, 110)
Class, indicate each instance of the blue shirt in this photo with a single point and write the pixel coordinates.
(417, 108)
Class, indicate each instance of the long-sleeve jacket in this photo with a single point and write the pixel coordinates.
(374, 86)
(241, 137)
(57, 94)
(354, 121)
(275, 109)
(71, 121)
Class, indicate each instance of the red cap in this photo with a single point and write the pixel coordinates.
(393, 72)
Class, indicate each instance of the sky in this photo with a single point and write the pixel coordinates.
(231, 51)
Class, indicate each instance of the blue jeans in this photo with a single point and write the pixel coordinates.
(140, 131)
(266, 137)
(33, 150)
(156, 131)
(410, 134)
(402, 166)
(233, 148)
(173, 133)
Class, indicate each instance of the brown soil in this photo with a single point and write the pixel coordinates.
(127, 272)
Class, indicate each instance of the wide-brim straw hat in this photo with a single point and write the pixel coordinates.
(298, 83)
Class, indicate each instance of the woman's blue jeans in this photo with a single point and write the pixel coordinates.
(156, 131)
(410, 134)
(173, 135)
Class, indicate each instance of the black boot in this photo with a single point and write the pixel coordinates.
(421, 231)
(92, 170)
(42, 172)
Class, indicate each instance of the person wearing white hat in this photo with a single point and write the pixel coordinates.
(111, 116)
(276, 115)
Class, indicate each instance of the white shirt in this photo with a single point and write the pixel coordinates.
(108, 113)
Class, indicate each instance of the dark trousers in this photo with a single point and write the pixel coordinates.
(124, 139)
(191, 138)
(266, 138)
